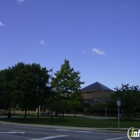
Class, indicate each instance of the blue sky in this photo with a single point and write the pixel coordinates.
(100, 38)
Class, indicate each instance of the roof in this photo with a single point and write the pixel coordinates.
(96, 86)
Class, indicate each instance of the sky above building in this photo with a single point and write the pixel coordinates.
(100, 38)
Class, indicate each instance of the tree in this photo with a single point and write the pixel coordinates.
(98, 108)
(6, 77)
(66, 84)
(130, 99)
(29, 86)
(42, 89)
(76, 102)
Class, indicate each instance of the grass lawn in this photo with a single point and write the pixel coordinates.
(77, 121)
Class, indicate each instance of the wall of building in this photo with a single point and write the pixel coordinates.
(93, 97)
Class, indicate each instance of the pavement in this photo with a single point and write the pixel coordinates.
(16, 131)
(114, 130)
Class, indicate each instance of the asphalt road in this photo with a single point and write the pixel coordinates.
(13, 132)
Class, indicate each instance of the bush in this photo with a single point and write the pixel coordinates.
(97, 108)
(86, 110)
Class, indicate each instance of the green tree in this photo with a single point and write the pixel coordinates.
(76, 102)
(42, 88)
(98, 108)
(66, 84)
(130, 99)
(6, 77)
(29, 86)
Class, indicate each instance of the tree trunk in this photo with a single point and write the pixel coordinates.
(63, 115)
(60, 115)
(28, 112)
(25, 115)
(9, 112)
(38, 113)
(56, 113)
(74, 114)
(129, 116)
(51, 117)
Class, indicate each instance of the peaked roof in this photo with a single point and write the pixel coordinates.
(96, 86)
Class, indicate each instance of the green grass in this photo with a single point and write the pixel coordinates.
(76, 121)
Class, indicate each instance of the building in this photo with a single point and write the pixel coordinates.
(96, 93)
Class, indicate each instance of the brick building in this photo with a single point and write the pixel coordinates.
(96, 93)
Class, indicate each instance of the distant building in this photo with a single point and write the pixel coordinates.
(96, 93)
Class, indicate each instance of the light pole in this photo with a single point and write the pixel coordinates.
(118, 104)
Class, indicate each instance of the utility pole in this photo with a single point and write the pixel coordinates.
(118, 104)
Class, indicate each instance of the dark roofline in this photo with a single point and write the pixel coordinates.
(96, 87)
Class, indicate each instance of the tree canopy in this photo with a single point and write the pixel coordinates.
(24, 86)
(66, 85)
(6, 78)
(130, 99)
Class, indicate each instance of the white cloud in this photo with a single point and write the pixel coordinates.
(84, 51)
(42, 42)
(95, 50)
(1, 24)
(20, 1)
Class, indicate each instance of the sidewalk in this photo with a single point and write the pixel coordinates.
(78, 115)
(92, 117)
